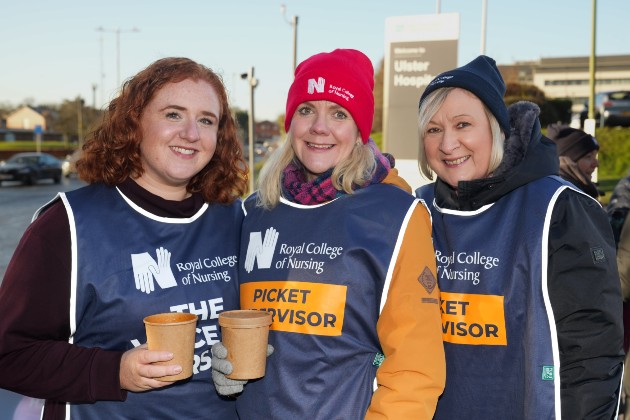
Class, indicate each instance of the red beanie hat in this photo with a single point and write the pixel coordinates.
(343, 76)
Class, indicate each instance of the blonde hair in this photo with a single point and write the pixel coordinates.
(430, 105)
(355, 171)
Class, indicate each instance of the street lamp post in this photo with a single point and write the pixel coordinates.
(94, 95)
(80, 121)
(589, 123)
(117, 32)
(294, 23)
(484, 18)
(591, 65)
(253, 82)
(102, 70)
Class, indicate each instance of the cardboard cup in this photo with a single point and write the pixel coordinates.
(174, 332)
(245, 333)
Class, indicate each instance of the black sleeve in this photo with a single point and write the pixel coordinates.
(586, 299)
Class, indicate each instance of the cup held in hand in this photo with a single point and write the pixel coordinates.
(174, 332)
(245, 334)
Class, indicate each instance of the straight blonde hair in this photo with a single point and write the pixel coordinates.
(347, 176)
(430, 106)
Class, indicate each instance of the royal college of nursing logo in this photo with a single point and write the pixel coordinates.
(303, 255)
(316, 85)
(147, 271)
(319, 86)
(261, 250)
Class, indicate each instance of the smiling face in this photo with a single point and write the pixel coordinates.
(323, 135)
(458, 139)
(179, 136)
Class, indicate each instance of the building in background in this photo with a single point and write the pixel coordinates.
(25, 118)
(266, 130)
(568, 77)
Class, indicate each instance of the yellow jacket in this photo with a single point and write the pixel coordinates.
(413, 374)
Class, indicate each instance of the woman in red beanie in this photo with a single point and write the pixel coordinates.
(526, 262)
(339, 251)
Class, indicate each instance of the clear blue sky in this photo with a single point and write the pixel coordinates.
(51, 50)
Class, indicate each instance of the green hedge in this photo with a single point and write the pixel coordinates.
(614, 151)
(29, 146)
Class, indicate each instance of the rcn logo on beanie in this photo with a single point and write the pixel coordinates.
(316, 85)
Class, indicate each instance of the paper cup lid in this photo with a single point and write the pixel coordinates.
(244, 318)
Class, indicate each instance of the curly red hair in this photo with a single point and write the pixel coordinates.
(112, 152)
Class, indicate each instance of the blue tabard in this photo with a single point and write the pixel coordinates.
(193, 265)
(502, 359)
(322, 281)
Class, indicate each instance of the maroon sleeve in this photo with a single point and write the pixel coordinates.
(36, 358)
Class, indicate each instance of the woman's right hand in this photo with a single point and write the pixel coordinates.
(138, 372)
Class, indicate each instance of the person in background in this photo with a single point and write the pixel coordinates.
(156, 230)
(335, 246)
(618, 208)
(526, 262)
(577, 152)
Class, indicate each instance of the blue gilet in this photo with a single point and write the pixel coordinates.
(322, 280)
(193, 265)
(501, 346)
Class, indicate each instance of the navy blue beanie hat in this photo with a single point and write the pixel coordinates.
(481, 77)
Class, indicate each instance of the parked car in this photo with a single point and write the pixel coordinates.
(69, 164)
(30, 167)
(611, 109)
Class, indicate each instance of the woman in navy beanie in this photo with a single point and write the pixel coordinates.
(531, 305)
(335, 246)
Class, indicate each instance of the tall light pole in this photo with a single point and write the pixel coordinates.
(484, 16)
(80, 121)
(94, 95)
(117, 31)
(589, 123)
(253, 82)
(102, 70)
(592, 63)
(294, 23)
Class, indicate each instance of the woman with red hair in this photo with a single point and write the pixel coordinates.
(156, 230)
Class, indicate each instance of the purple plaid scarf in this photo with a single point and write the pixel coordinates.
(295, 188)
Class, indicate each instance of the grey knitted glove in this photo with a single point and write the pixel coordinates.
(221, 367)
